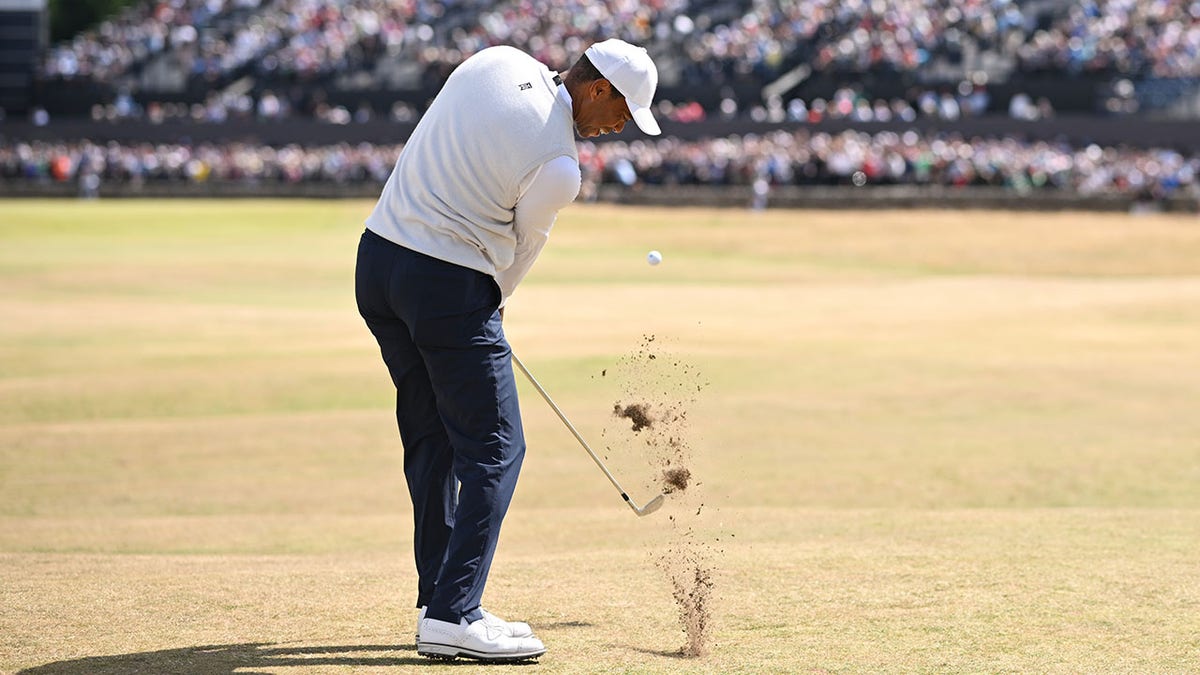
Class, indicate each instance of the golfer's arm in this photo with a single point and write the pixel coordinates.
(553, 185)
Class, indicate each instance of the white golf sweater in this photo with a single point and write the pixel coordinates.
(481, 180)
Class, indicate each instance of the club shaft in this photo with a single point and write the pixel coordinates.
(570, 426)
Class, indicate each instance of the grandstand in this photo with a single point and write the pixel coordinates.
(1078, 96)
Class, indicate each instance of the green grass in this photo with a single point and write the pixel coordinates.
(927, 442)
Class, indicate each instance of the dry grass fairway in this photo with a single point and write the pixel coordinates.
(931, 442)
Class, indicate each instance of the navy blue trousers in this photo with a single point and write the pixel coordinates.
(438, 328)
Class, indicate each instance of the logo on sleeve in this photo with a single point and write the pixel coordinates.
(526, 85)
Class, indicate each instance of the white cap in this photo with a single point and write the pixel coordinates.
(632, 72)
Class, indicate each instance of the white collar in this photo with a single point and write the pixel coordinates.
(564, 94)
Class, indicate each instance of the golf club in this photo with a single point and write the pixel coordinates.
(650, 507)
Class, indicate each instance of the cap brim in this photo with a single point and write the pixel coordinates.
(644, 118)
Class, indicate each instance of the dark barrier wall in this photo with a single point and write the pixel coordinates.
(694, 196)
(1078, 94)
(1078, 129)
(22, 28)
(1072, 95)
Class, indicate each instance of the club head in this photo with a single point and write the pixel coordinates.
(651, 506)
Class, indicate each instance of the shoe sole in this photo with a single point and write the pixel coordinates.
(434, 650)
(417, 636)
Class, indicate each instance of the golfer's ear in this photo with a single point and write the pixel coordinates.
(601, 89)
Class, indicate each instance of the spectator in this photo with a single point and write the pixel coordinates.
(780, 157)
(712, 45)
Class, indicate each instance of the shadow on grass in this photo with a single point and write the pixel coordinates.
(244, 659)
(672, 654)
(566, 624)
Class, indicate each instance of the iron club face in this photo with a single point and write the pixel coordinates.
(650, 507)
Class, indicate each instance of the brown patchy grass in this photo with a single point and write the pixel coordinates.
(930, 442)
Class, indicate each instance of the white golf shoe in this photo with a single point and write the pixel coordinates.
(482, 640)
(517, 629)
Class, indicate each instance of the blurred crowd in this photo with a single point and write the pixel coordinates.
(146, 30)
(233, 162)
(773, 159)
(291, 44)
(888, 158)
(1159, 38)
(703, 43)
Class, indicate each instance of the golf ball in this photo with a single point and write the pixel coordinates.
(653, 257)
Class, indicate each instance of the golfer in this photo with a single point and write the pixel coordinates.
(466, 211)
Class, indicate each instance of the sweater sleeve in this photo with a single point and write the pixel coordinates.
(551, 186)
